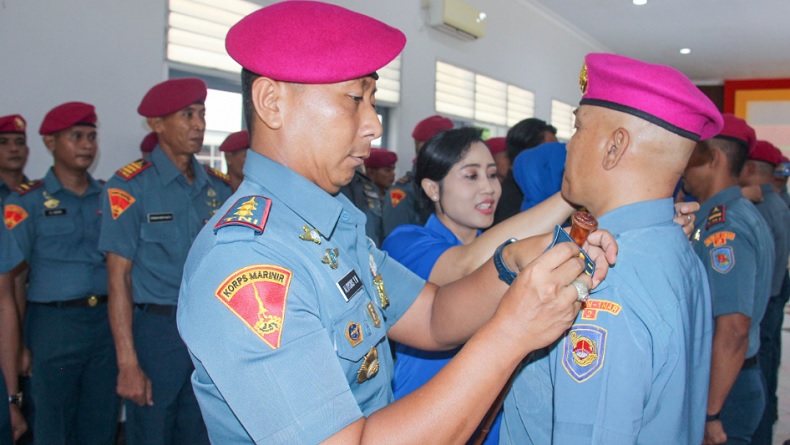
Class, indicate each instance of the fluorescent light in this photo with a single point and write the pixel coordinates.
(685, 51)
(639, 2)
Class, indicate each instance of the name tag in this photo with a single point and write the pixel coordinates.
(349, 285)
(159, 217)
(54, 212)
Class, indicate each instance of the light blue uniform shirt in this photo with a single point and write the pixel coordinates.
(634, 366)
(59, 238)
(776, 213)
(156, 229)
(10, 256)
(735, 245)
(289, 335)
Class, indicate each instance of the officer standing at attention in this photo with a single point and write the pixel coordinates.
(235, 149)
(13, 153)
(151, 211)
(286, 306)
(403, 205)
(633, 368)
(735, 245)
(12, 422)
(380, 168)
(55, 221)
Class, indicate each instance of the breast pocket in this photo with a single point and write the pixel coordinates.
(357, 332)
(58, 237)
(159, 232)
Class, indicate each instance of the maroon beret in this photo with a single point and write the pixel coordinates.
(381, 157)
(428, 127)
(239, 140)
(149, 142)
(736, 129)
(13, 123)
(66, 116)
(766, 152)
(496, 145)
(312, 42)
(172, 95)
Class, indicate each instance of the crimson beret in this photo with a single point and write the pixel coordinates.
(172, 95)
(149, 142)
(68, 115)
(381, 157)
(656, 93)
(239, 140)
(496, 145)
(430, 126)
(766, 152)
(312, 42)
(12, 123)
(736, 129)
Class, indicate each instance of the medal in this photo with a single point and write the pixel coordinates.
(330, 258)
(374, 315)
(370, 366)
(310, 235)
(50, 202)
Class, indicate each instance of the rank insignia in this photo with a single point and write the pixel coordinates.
(374, 315)
(719, 239)
(354, 334)
(591, 307)
(583, 351)
(27, 187)
(722, 259)
(257, 295)
(370, 366)
(14, 215)
(50, 202)
(583, 79)
(120, 200)
(310, 234)
(218, 174)
(249, 211)
(133, 169)
(396, 196)
(330, 258)
(715, 216)
(211, 193)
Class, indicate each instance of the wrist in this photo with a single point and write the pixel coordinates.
(713, 417)
(15, 399)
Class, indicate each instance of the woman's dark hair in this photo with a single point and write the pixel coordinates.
(441, 152)
(526, 134)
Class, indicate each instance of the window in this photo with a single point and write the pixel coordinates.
(562, 118)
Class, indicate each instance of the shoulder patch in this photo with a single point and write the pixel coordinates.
(715, 216)
(120, 200)
(584, 351)
(722, 259)
(13, 215)
(591, 307)
(218, 174)
(719, 238)
(27, 187)
(396, 196)
(249, 211)
(132, 169)
(257, 295)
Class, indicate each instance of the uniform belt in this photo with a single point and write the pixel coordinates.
(749, 362)
(158, 309)
(89, 301)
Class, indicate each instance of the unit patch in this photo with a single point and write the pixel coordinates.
(719, 239)
(257, 295)
(396, 196)
(133, 169)
(715, 216)
(120, 200)
(354, 334)
(14, 215)
(591, 307)
(249, 211)
(722, 259)
(584, 351)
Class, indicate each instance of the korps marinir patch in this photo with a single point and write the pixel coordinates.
(249, 211)
(722, 259)
(257, 295)
(396, 196)
(583, 351)
(14, 215)
(120, 200)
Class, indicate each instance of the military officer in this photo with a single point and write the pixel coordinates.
(13, 153)
(380, 168)
(402, 203)
(151, 211)
(235, 148)
(286, 306)
(734, 243)
(55, 221)
(12, 422)
(633, 368)
(497, 147)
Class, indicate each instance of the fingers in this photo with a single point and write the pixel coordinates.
(602, 249)
(149, 393)
(686, 208)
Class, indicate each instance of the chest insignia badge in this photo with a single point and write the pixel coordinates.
(330, 258)
(310, 234)
(370, 366)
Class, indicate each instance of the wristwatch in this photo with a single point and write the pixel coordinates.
(15, 399)
(712, 417)
(505, 274)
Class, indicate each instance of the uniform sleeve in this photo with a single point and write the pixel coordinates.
(121, 218)
(24, 227)
(416, 248)
(10, 256)
(730, 262)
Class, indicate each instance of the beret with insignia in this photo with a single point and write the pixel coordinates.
(13, 123)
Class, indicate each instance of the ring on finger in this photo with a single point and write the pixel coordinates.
(688, 218)
(582, 291)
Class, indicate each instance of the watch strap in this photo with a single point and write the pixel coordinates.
(505, 274)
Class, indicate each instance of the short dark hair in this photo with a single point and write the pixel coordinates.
(528, 133)
(737, 153)
(247, 79)
(441, 152)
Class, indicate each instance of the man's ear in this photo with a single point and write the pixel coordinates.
(266, 97)
(155, 123)
(49, 142)
(431, 188)
(618, 144)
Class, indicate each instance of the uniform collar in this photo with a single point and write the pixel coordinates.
(169, 172)
(723, 197)
(318, 208)
(767, 189)
(53, 185)
(637, 216)
(435, 225)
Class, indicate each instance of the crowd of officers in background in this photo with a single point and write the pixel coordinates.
(71, 355)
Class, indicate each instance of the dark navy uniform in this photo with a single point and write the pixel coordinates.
(735, 245)
(151, 214)
(10, 257)
(66, 324)
(5, 190)
(403, 204)
(362, 192)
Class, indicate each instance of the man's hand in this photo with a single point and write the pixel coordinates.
(18, 423)
(684, 215)
(602, 249)
(714, 433)
(134, 385)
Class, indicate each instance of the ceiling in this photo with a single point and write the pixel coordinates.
(729, 39)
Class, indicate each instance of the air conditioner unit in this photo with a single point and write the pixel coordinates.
(457, 18)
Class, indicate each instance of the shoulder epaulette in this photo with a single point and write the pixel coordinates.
(716, 216)
(132, 169)
(250, 211)
(218, 174)
(27, 187)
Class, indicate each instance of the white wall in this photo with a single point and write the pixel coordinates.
(110, 52)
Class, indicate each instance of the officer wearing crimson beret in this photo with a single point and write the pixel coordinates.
(152, 209)
(380, 168)
(55, 221)
(13, 153)
(287, 307)
(234, 147)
